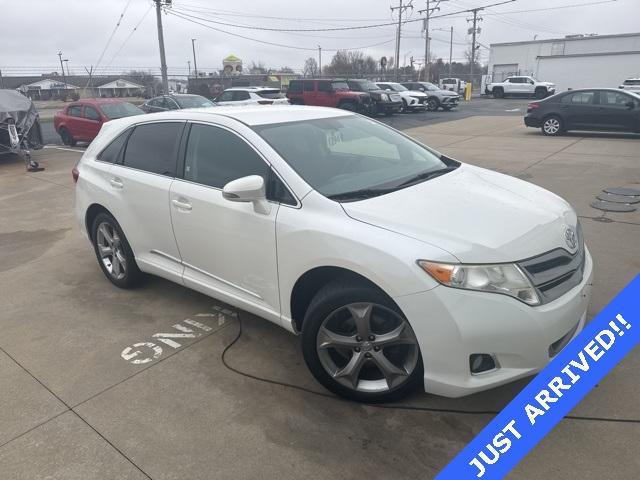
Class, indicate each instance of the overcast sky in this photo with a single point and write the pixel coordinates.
(81, 30)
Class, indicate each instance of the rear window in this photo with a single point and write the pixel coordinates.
(111, 153)
(120, 110)
(270, 93)
(154, 148)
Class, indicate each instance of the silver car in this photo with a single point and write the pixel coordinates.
(438, 98)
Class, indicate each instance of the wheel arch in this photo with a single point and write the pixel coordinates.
(92, 212)
(308, 284)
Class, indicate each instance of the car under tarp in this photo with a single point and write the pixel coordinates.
(20, 130)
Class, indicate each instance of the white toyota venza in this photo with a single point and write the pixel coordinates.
(396, 265)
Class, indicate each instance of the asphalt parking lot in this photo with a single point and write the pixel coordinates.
(80, 403)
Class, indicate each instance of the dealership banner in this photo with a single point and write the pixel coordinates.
(553, 392)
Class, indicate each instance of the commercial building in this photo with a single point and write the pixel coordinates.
(570, 62)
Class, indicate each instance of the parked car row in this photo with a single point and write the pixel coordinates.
(81, 121)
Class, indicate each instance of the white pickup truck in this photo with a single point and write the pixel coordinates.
(520, 86)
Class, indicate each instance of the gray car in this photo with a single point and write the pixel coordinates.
(438, 98)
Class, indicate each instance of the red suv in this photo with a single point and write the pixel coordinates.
(81, 121)
(328, 93)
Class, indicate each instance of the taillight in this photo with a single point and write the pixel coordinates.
(75, 173)
(265, 102)
(533, 106)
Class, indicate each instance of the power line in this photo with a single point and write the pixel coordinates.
(130, 35)
(113, 32)
(179, 15)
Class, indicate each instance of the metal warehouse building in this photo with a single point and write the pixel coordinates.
(570, 62)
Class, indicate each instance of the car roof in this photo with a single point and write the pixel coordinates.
(249, 115)
(98, 101)
(253, 88)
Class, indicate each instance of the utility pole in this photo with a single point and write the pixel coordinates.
(163, 62)
(195, 65)
(428, 11)
(189, 68)
(64, 75)
(401, 9)
(1, 80)
(475, 31)
(451, 52)
(319, 61)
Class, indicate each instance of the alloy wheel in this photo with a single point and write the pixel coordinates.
(551, 126)
(367, 347)
(432, 104)
(111, 251)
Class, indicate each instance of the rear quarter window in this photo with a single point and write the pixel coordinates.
(153, 148)
(112, 151)
(295, 86)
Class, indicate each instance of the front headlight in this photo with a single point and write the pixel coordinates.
(384, 97)
(507, 279)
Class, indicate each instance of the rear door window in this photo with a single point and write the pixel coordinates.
(308, 85)
(153, 147)
(226, 96)
(582, 98)
(74, 111)
(324, 86)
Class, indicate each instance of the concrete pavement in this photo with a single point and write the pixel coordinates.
(75, 409)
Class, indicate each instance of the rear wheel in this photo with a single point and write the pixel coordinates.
(498, 93)
(552, 125)
(359, 345)
(114, 254)
(541, 93)
(67, 138)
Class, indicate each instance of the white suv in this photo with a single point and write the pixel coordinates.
(251, 96)
(632, 84)
(412, 100)
(396, 265)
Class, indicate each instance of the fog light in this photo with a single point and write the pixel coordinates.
(481, 362)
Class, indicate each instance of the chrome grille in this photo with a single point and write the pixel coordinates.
(556, 272)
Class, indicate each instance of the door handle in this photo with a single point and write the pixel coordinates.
(116, 183)
(182, 205)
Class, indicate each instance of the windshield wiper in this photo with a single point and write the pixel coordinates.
(427, 175)
(361, 194)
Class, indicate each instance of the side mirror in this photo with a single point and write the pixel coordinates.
(248, 189)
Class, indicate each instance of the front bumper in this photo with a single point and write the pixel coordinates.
(452, 324)
(450, 101)
(388, 107)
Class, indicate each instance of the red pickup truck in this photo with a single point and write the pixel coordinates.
(328, 93)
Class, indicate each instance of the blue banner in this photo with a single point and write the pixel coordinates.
(553, 392)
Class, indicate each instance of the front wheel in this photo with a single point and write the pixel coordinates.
(359, 345)
(498, 93)
(541, 93)
(432, 104)
(114, 254)
(552, 126)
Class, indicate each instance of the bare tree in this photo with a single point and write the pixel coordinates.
(258, 68)
(351, 63)
(310, 67)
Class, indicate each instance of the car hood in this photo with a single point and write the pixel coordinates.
(546, 84)
(448, 93)
(477, 215)
(413, 93)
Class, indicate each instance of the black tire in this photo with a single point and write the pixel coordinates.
(552, 126)
(405, 107)
(333, 298)
(498, 92)
(432, 104)
(67, 138)
(132, 275)
(541, 93)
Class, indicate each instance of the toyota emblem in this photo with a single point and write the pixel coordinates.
(570, 238)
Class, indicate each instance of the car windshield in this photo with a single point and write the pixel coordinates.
(429, 86)
(193, 101)
(397, 87)
(339, 85)
(351, 157)
(272, 94)
(120, 110)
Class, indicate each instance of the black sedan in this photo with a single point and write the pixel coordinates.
(601, 109)
(175, 102)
